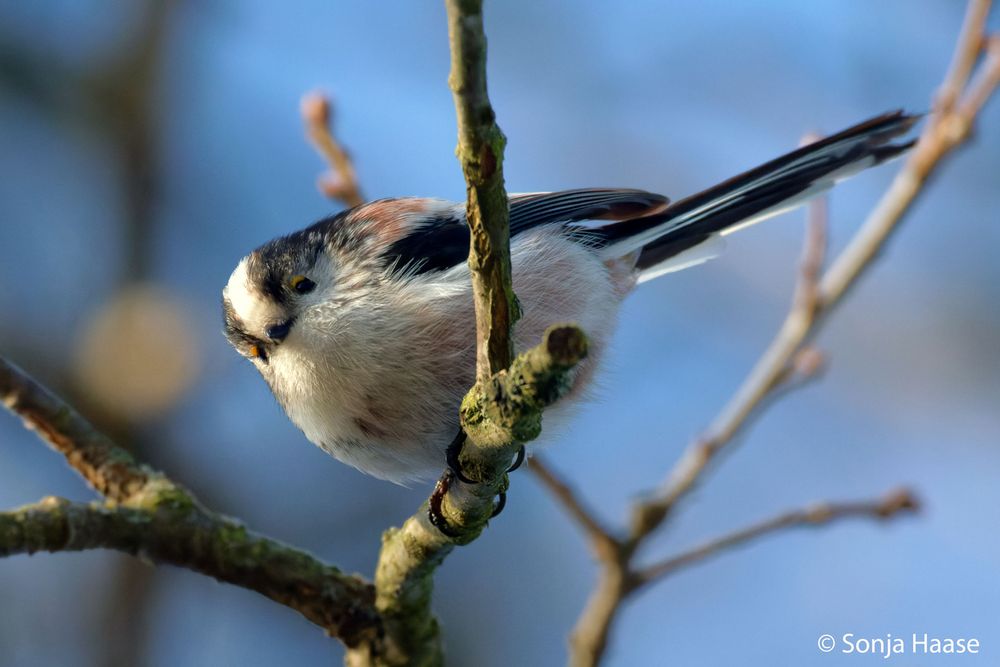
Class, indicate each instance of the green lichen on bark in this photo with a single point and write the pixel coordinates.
(404, 587)
(147, 515)
(110, 470)
(187, 535)
(507, 408)
(480, 152)
(390, 622)
(504, 408)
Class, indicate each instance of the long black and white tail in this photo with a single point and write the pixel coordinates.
(686, 228)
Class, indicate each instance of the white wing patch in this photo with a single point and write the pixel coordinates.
(708, 249)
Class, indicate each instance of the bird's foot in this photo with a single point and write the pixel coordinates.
(434, 511)
(454, 472)
(454, 451)
(434, 514)
(518, 459)
(452, 456)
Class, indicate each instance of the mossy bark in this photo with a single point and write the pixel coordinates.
(504, 410)
(149, 516)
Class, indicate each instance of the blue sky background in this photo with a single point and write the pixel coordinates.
(671, 97)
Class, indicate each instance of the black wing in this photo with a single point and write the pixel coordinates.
(768, 189)
(437, 244)
(442, 242)
(612, 204)
(622, 221)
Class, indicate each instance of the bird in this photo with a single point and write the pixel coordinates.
(363, 327)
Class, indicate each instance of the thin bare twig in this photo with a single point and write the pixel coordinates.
(806, 297)
(816, 515)
(966, 54)
(606, 544)
(784, 360)
(617, 581)
(942, 134)
(945, 131)
(790, 354)
(987, 80)
(341, 181)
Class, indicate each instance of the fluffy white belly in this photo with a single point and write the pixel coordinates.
(377, 380)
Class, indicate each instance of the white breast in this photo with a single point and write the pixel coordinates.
(376, 379)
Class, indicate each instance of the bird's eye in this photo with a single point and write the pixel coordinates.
(257, 352)
(302, 285)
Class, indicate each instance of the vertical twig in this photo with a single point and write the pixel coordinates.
(410, 554)
(480, 151)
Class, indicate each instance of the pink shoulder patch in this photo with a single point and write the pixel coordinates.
(390, 219)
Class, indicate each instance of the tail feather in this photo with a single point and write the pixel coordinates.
(752, 196)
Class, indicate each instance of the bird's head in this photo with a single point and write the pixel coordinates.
(269, 292)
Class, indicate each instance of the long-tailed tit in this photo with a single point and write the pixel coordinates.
(362, 324)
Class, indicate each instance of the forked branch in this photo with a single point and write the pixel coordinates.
(790, 357)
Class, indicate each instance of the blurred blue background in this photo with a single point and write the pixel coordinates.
(157, 143)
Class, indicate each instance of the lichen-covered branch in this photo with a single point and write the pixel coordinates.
(480, 151)
(507, 407)
(109, 469)
(510, 403)
(181, 532)
(503, 409)
(150, 516)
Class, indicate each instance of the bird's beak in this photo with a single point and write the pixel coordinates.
(278, 332)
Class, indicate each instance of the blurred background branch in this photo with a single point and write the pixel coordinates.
(816, 515)
(115, 376)
(341, 181)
